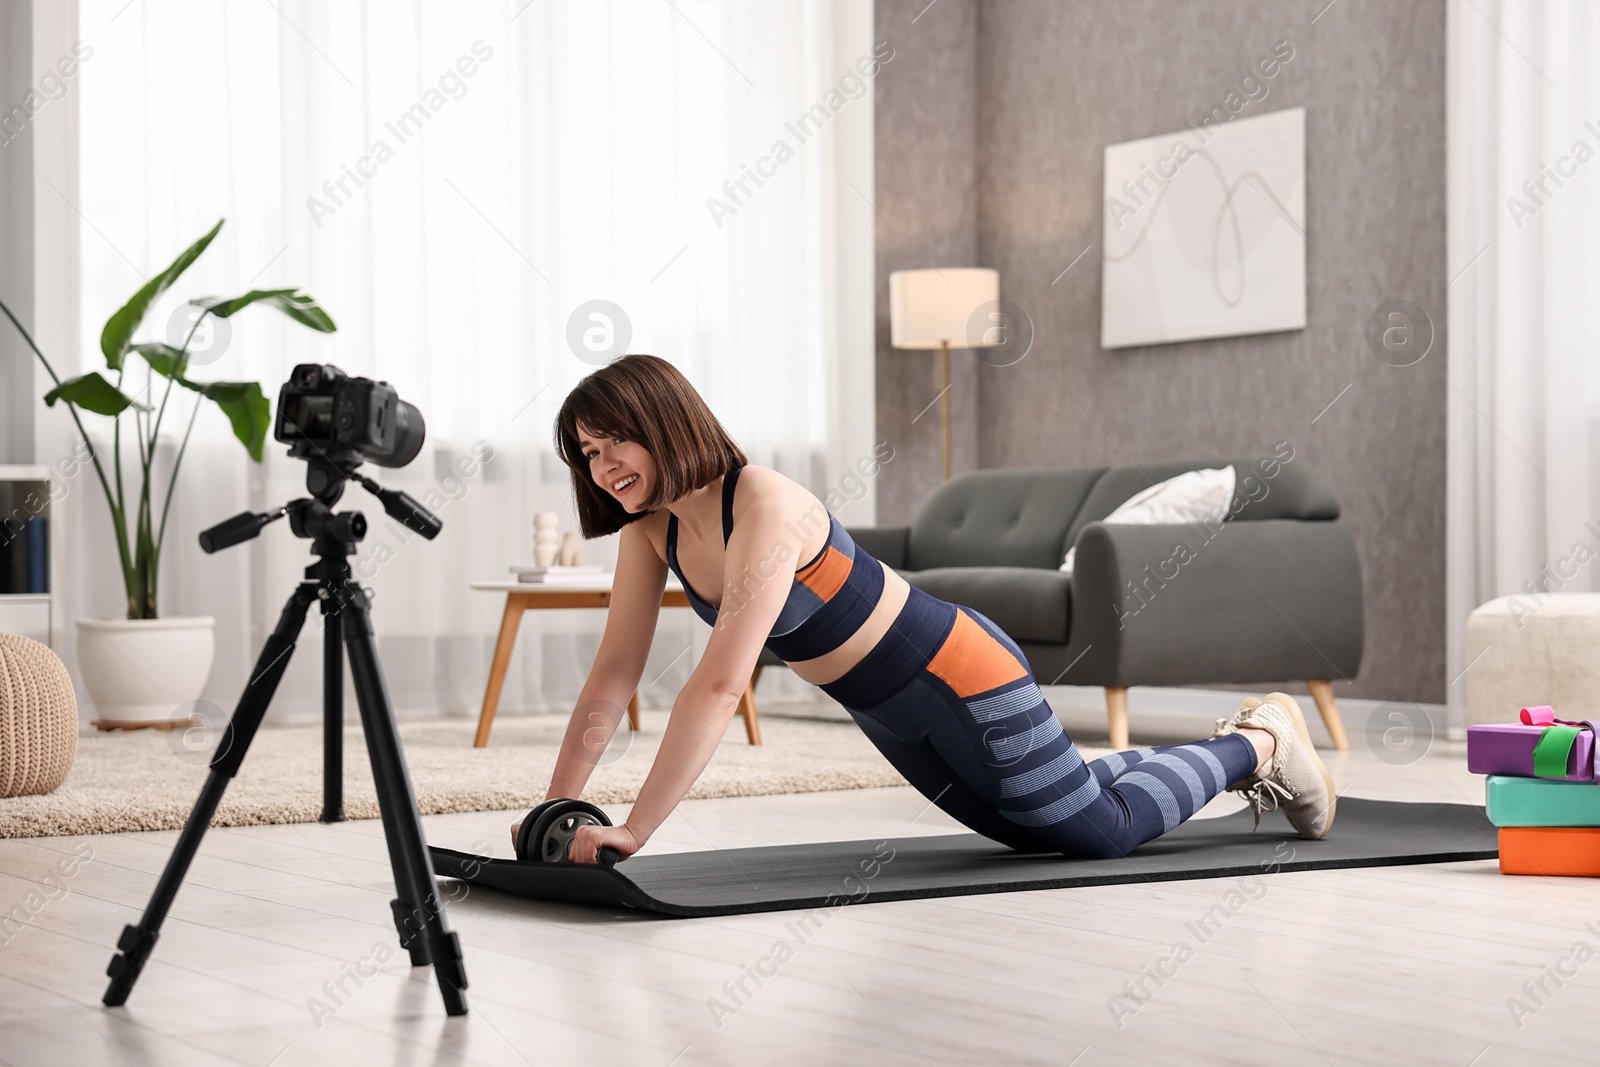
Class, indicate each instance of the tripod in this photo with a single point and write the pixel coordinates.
(417, 908)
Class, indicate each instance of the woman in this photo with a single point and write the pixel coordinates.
(945, 695)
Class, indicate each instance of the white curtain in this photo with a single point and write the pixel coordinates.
(452, 182)
(1524, 256)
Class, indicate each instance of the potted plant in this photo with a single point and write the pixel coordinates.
(141, 669)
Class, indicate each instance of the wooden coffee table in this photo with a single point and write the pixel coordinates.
(522, 597)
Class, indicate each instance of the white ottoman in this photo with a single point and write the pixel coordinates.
(1534, 651)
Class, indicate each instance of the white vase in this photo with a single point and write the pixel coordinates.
(571, 552)
(545, 538)
(144, 670)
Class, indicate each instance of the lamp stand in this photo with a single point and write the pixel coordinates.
(944, 401)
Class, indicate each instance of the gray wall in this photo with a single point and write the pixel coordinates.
(1016, 100)
(925, 113)
(16, 235)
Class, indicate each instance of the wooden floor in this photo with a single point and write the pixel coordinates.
(1416, 965)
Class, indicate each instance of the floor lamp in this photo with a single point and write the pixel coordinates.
(938, 308)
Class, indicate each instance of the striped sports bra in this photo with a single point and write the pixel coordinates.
(828, 601)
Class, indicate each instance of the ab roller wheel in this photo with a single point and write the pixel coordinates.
(547, 831)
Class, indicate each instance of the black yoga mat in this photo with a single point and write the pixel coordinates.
(1366, 833)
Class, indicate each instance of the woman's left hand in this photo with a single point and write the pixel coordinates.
(587, 841)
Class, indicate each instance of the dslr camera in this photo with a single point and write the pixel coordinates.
(321, 409)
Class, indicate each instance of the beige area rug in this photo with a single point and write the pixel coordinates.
(147, 780)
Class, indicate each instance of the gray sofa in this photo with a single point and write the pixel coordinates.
(1271, 595)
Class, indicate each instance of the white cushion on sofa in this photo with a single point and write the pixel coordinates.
(1194, 496)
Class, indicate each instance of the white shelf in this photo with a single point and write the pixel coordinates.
(37, 615)
(30, 616)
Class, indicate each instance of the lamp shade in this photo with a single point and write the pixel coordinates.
(931, 307)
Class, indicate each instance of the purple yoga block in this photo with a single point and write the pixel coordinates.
(1507, 748)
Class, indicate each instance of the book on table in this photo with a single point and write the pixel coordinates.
(557, 575)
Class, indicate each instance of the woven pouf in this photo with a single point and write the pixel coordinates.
(38, 718)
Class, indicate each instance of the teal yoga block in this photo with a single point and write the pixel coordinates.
(1542, 802)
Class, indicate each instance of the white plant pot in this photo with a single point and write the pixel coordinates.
(144, 670)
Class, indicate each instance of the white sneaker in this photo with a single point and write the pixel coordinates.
(1294, 779)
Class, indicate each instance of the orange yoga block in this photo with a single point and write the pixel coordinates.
(1563, 850)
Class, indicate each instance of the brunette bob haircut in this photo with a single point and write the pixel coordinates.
(646, 400)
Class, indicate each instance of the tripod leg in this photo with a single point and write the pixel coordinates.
(332, 714)
(136, 941)
(333, 778)
(414, 877)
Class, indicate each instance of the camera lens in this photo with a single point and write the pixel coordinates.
(409, 432)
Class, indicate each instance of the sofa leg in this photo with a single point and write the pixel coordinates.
(1322, 693)
(1117, 715)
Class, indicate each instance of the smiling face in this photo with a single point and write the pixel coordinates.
(655, 426)
(620, 467)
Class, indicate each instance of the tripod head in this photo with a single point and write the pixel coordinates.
(333, 533)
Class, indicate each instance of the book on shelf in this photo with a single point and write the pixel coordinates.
(38, 555)
(24, 556)
(13, 557)
(13, 551)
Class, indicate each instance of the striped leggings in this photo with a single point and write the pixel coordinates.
(950, 701)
